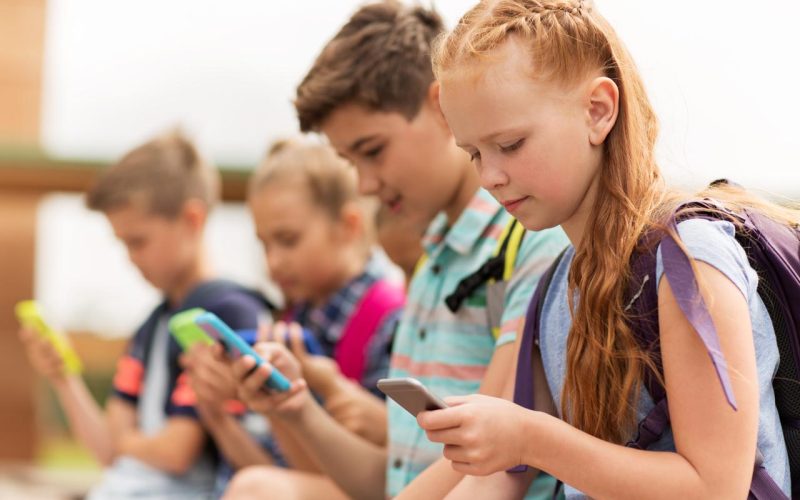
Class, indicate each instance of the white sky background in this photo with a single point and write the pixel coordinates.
(723, 76)
(85, 281)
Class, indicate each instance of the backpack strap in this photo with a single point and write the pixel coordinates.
(762, 486)
(382, 299)
(511, 245)
(523, 386)
(643, 319)
(498, 267)
(683, 282)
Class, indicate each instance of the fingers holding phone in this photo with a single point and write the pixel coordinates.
(251, 378)
(210, 375)
(57, 358)
(41, 353)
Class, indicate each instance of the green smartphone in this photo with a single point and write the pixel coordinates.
(30, 316)
(186, 331)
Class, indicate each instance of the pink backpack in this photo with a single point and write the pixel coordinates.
(382, 299)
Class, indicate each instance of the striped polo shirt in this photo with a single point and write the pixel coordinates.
(449, 352)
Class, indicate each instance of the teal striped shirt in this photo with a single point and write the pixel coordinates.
(448, 352)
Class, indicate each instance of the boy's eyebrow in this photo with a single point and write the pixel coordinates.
(360, 142)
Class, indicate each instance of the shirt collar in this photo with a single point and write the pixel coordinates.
(469, 227)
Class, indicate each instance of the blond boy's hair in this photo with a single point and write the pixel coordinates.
(161, 174)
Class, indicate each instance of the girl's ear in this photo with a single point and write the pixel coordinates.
(194, 214)
(602, 108)
(351, 221)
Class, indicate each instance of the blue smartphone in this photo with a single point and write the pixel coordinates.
(309, 340)
(236, 347)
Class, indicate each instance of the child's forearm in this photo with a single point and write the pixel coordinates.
(174, 449)
(233, 441)
(605, 470)
(498, 485)
(294, 453)
(86, 419)
(355, 464)
(435, 482)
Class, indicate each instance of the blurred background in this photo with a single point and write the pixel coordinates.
(82, 81)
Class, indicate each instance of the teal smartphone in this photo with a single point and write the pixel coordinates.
(237, 347)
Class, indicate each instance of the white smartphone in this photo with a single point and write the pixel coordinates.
(410, 394)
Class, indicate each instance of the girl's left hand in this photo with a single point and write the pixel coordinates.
(482, 434)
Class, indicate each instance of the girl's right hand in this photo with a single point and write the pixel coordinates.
(320, 372)
(42, 355)
(250, 383)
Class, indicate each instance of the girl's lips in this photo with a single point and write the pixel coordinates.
(512, 205)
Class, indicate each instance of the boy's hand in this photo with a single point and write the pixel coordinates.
(320, 372)
(358, 411)
(250, 381)
(210, 376)
(43, 356)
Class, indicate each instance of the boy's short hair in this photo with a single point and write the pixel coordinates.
(380, 59)
(162, 174)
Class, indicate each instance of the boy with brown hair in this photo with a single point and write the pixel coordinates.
(371, 92)
(157, 199)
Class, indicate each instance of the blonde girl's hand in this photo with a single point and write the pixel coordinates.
(250, 381)
(43, 355)
(320, 372)
(482, 434)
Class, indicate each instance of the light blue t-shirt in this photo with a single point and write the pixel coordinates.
(711, 242)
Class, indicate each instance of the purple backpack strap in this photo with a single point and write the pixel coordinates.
(679, 272)
(523, 385)
(350, 353)
(763, 487)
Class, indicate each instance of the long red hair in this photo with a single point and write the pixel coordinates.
(569, 41)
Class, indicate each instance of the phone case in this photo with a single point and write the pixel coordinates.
(410, 394)
(236, 347)
(30, 316)
(186, 331)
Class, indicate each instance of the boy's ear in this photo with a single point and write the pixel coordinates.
(432, 101)
(602, 108)
(195, 214)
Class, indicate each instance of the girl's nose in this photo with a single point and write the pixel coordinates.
(491, 175)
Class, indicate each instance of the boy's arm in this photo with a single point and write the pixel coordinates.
(294, 453)
(356, 465)
(536, 254)
(233, 440)
(211, 380)
(173, 449)
(353, 406)
(86, 419)
(502, 484)
(440, 478)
